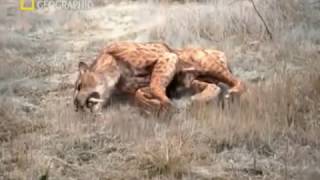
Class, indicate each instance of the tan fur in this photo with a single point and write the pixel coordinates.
(146, 69)
(211, 66)
(200, 70)
(126, 67)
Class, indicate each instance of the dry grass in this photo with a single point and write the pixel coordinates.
(271, 133)
(165, 156)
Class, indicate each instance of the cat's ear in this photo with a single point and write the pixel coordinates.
(83, 67)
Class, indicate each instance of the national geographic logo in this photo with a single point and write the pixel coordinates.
(24, 7)
(31, 5)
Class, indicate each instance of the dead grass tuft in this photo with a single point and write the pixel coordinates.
(166, 156)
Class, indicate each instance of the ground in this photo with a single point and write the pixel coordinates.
(272, 133)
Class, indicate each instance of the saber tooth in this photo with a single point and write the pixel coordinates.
(95, 100)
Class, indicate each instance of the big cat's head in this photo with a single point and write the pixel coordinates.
(89, 89)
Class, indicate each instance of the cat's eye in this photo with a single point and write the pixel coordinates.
(79, 87)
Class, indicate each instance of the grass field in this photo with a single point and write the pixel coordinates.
(272, 133)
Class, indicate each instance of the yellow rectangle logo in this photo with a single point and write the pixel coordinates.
(22, 6)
